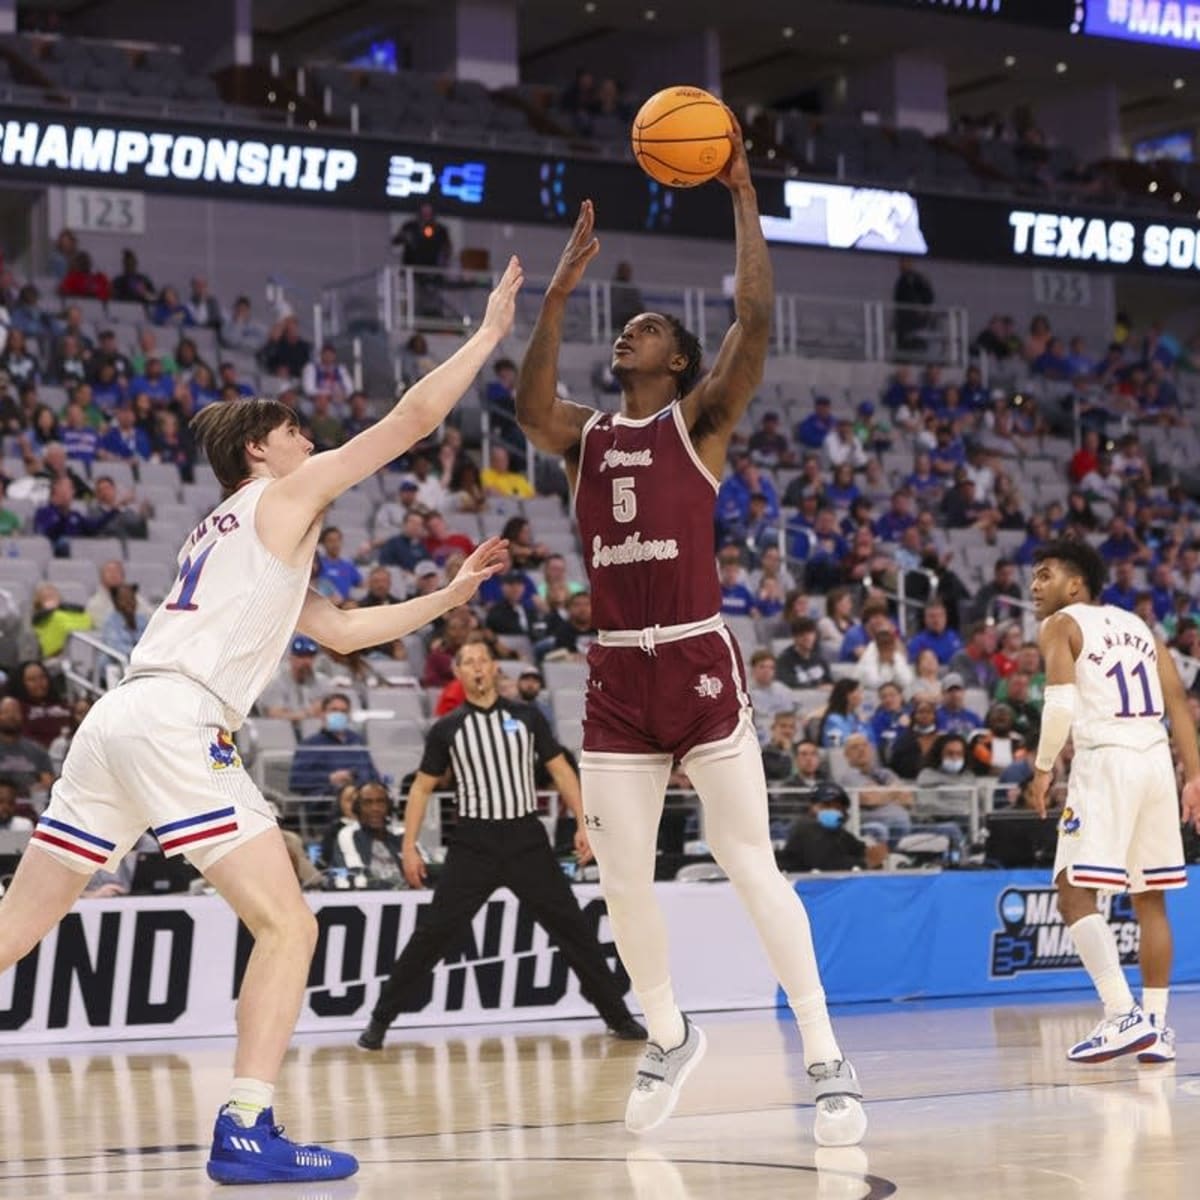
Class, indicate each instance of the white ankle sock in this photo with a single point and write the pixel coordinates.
(1154, 1003)
(664, 1021)
(247, 1098)
(816, 1031)
(1098, 951)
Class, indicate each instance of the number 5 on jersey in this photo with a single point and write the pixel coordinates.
(624, 499)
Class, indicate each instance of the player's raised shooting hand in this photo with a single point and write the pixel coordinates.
(736, 172)
(1191, 802)
(502, 303)
(486, 560)
(581, 248)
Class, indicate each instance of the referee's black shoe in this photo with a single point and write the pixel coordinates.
(372, 1037)
(626, 1029)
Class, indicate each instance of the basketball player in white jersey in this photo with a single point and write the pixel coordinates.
(157, 751)
(1109, 683)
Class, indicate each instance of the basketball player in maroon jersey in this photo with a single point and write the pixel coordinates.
(666, 681)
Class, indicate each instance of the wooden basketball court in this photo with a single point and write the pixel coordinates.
(965, 1102)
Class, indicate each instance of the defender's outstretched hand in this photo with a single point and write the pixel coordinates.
(486, 560)
(736, 172)
(581, 248)
(502, 303)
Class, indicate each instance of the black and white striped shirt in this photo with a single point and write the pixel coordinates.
(493, 752)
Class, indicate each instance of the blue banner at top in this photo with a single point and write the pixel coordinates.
(1160, 22)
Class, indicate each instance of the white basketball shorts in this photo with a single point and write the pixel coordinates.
(153, 754)
(1120, 829)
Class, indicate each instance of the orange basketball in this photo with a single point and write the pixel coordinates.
(681, 136)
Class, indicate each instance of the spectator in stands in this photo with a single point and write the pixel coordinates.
(499, 479)
(816, 427)
(391, 516)
(54, 621)
(912, 293)
(526, 554)
(928, 673)
(124, 441)
(1122, 592)
(441, 541)
(889, 720)
(767, 694)
(913, 744)
(108, 352)
(59, 521)
(820, 841)
(862, 632)
(70, 363)
(947, 788)
(571, 641)
(467, 489)
(416, 360)
(167, 310)
(107, 389)
(27, 316)
(733, 498)
(286, 353)
(1026, 716)
(1087, 458)
(44, 710)
(16, 360)
(500, 403)
(883, 800)
(62, 253)
(175, 444)
(368, 844)
(84, 280)
(407, 548)
(936, 636)
(1038, 338)
(340, 572)
(779, 748)
(79, 439)
(295, 693)
(125, 624)
(325, 427)
(202, 307)
(884, 660)
(131, 285)
(531, 689)
(1000, 599)
(809, 768)
(327, 375)
(974, 661)
(512, 615)
(1122, 543)
(10, 521)
(1102, 482)
(899, 517)
(769, 446)
(118, 514)
(949, 454)
(10, 820)
(360, 418)
(924, 482)
(843, 715)
(153, 381)
(204, 389)
(841, 446)
(22, 760)
(240, 331)
(997, 746)
(332, 757)
(423, 240)
(100, 605)
(836, 623)
(55, 466)
(439, 661)
(737, 600)
(227, 377)
(954, 716)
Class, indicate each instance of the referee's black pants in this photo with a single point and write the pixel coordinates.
(484, 856)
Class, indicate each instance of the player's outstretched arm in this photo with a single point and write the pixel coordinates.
(347, 630)
(1060, 642)
(1183, 732)
(291, 503)
(554, 426)
(718, 401)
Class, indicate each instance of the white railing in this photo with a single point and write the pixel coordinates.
(399, 300)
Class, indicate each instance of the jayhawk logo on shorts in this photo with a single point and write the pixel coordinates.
(1068, 823)
(223, 753)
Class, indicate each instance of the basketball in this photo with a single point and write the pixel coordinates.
(681, 136)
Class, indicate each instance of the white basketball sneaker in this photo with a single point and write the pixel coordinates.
(1126, 1033)
(1162, 1049)
(841, 1119)
(660, 1075)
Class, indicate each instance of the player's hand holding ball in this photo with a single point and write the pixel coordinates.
(502, 303)
(683, 136)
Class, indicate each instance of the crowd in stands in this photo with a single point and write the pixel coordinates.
(873, 558)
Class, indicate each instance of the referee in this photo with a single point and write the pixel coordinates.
(493, 744)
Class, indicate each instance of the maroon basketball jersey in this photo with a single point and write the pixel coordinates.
(645, 505)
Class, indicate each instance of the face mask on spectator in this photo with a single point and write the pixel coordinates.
(952, 765)
(924, 728)
(337, 721)
(830, 818)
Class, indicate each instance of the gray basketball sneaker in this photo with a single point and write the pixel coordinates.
(660, 1075)
(841, 1119)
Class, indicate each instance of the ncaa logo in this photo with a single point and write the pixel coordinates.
(1012, 908)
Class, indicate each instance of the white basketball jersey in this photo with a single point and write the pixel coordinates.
(227, 621)
(1119, 696)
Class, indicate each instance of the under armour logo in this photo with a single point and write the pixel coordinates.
(591, 821)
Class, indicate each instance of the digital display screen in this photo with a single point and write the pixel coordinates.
(1063, 15)
(1160, 22)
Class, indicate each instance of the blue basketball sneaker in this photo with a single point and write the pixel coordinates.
(1126, 1033)
(259, 1153)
